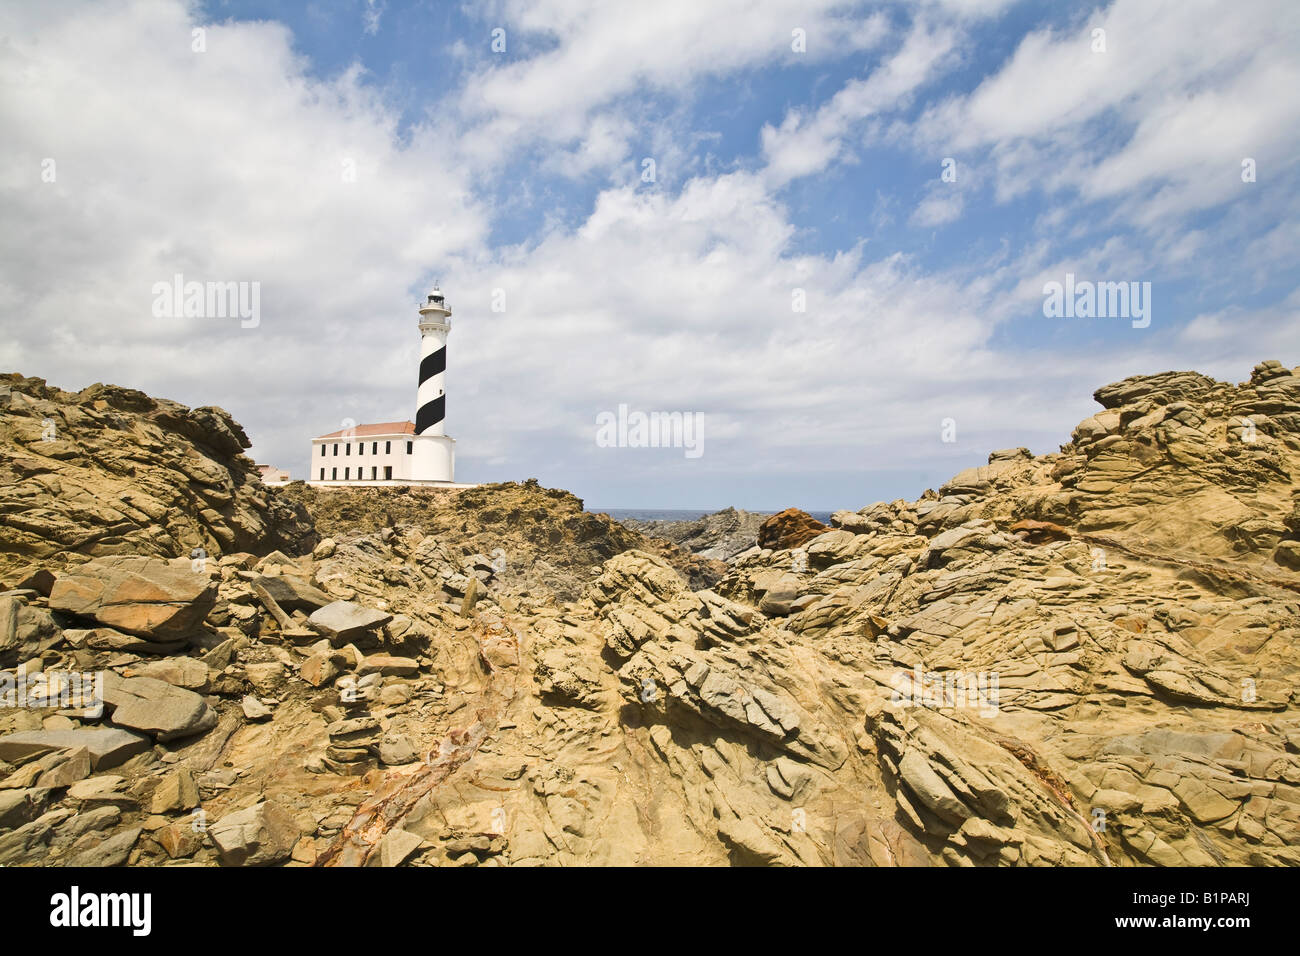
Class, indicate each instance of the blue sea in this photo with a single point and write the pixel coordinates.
(677, 514)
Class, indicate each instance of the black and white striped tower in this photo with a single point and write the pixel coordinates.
(431, 402)
(433, 453)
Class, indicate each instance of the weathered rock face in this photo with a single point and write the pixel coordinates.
(111, 471)
(259, 836)
(788, 529)
(138, 595)
(718, 537)
(526, 537)
(1083, 658)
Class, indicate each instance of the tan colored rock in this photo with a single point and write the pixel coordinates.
(136, 594)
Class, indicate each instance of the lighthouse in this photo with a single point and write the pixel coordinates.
(434, 455)
(399, 453)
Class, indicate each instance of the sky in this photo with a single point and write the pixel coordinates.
(823, 230)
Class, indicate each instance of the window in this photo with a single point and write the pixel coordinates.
(334, 474)
(388, 448)
(347, 449)
(322, 451)
(322, 471)
(361, 448)
(374, 448)
(388, 473)
(374, 472)
(336, 448)
(347, 474)
(408, 447)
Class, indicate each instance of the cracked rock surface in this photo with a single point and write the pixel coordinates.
(1082, 658)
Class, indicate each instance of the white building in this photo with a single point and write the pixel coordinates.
(406, 453)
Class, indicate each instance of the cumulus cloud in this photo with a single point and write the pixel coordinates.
(807, 143)
(1190, 88)
(824, 372)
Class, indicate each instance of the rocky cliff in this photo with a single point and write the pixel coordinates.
(719, 536)
(1082, 658)
(109, 470)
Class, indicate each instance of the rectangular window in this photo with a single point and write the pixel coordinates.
(408, 447)
(334, 474)
(388, 473)
(322, 474)
(374, 448)
(347, 449)
(336, 448)
(388, 448)
(374, 472)
(322, 451)
(361, 448)
(347, 474)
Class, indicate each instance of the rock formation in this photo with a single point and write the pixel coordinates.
(1081, 658)
(111, 471)
(719, 536)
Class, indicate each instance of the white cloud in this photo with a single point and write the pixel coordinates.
(604, 52)
(807, 143)
(225, 165)
(677, 295)
(371, 16)
(1191, 87)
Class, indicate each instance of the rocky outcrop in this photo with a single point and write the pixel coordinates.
(788, 529)
(719, 536)
(138, 595)
(529, 539)
(1085, 658)
(111, 471)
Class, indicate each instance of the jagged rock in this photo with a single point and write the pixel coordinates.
(293, 593)
(254, 709)
(260, 835)
(719, 536)
(156, 707)
(179, 840)
(18, 807)
(136, 594)
(977, 677)
(112, 851)
(789, 529)
(25, 631)
(107, 747)
(184, 672)
(344, 622)
(178, 791)
(133, 475)
(64, 768)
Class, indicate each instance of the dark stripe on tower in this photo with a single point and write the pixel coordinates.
(432, 364)
(430, 413)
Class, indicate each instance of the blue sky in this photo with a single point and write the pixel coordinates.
(516, 176)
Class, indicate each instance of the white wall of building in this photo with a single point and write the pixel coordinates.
(431, 458)
(373, 455)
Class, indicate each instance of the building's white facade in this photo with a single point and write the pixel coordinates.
(407, 453)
